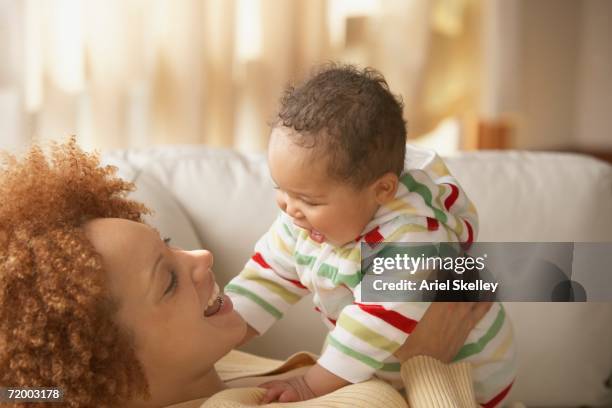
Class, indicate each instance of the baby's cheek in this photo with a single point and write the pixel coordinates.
(281, 205)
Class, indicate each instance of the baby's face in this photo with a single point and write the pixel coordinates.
(329, 210)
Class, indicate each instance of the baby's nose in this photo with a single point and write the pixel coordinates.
(288, 206)
(294, 212)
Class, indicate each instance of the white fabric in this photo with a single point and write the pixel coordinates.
(225, 199)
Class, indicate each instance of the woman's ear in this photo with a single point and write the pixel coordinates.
(385, 188)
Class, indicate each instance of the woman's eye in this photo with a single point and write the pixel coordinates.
(173, 282)
(167, 241)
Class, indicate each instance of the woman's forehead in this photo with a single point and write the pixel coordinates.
(103, 229)
(123, 244)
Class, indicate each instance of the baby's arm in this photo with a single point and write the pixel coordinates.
(322, 382)
(315, 382)
(269, 284)
(364, 337)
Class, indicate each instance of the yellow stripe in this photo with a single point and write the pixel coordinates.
(280, 244)
(472, 208)
(401, 207)
(501, 350)
(439, 168)
(459, 228)
(406, 229)
(254, 276)
(350, 254)
(366, 334)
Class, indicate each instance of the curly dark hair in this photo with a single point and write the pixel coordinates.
(56, 313)
(350, 116)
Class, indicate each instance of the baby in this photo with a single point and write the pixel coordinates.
(345, 176)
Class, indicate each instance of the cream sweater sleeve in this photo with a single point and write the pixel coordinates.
(429, 383)
(432, 384)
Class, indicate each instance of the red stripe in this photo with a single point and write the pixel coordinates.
(395, 319)
(295, 282)
(470, 233)
(374, 236)
(497, 399)
(432, 224)
(450, 200)
(257, 257)
(468, 243)
(328, 318)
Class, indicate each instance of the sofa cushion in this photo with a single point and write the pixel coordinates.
(538, 197)
(167, 215)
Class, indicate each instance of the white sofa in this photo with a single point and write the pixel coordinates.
(223, 200)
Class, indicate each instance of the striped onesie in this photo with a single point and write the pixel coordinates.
(429, 206)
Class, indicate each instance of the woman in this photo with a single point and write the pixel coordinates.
(94, 301)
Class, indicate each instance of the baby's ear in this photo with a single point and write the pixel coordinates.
(386, 187)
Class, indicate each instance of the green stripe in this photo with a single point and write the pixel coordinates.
(422, 190)
(441, 192)
(232, 287)
(331, 272)
(287, 230)
(395, 367)
(305, 260)
(412, 250)
(355, 354)
(253, 276)
(367, 335)
(476, 347)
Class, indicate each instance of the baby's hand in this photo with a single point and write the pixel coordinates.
(290, 390)
(315, 382)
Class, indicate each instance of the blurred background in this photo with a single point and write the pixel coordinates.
(474, 74)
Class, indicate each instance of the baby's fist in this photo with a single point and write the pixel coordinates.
(290, 390)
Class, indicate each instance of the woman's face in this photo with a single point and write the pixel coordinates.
(163, 293)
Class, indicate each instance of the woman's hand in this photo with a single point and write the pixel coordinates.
(443, 330)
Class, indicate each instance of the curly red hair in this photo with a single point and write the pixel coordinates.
(56, 313)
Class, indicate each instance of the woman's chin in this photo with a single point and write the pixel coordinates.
(234, 331)
(243, 330)
(231, 324)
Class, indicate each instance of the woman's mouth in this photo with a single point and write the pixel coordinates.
(218, 303)
(214, 302)
(214, 308)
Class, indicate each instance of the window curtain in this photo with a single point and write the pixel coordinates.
(133, 73)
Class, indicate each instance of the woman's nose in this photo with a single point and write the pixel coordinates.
(203, 262)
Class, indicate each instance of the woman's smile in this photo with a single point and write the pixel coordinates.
(220, 306)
